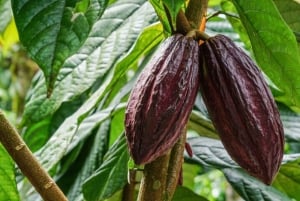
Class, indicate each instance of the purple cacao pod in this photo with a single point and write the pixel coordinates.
(241, 107)
(162, 99)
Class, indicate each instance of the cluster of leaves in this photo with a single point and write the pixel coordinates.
(90, 53)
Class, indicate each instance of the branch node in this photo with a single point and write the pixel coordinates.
(20, 146)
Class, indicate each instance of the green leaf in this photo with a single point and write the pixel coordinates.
(8, 184)
(122, 23)
(274, 46)
(183, 193)
(161, 13)
(63, 139)
(210, 152)
(173, 7)
(5, 14)
(112, 174)
(288, 179)
(290, 11)
(291, 123)
(52, 32)
(228, 7)
(189, 172)
(251, 189)
(89, 161)
(202, 125)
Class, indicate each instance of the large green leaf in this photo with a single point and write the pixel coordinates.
(111, 37)
(51, 31)
(274, 46)
(210, 152)
(5, 14)
(288, 179)
(8, 186)
(112, 174)
(251, 189)
(228, 7)
(89, 162)
(63, 138)
(290, 11)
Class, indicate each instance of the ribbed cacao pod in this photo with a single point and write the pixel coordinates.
(241, 107)
(162, 99)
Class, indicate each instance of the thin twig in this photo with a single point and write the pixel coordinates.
(27, 163)
(222, 12)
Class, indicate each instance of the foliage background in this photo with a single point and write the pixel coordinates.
(90, 53)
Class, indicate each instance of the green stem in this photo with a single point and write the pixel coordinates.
(27, 163)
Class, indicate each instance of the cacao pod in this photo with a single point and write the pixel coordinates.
(162, 99)
(241, 107)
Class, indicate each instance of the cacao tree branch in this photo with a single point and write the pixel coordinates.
(182, 24)
(175, 165)
(27, 163)
(153, 183)
(128, 190)
(195, 12)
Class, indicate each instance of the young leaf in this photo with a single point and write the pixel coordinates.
(112, 174)
(274, 46)
(51, 42)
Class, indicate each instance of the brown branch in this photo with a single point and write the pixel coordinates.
(129, 189)
(153, 183)
(27, 163)
(182, 24)
(175, 166)
(195, 11)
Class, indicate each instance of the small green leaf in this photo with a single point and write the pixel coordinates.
(251, 189)
(8, 186)
(112, 174)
